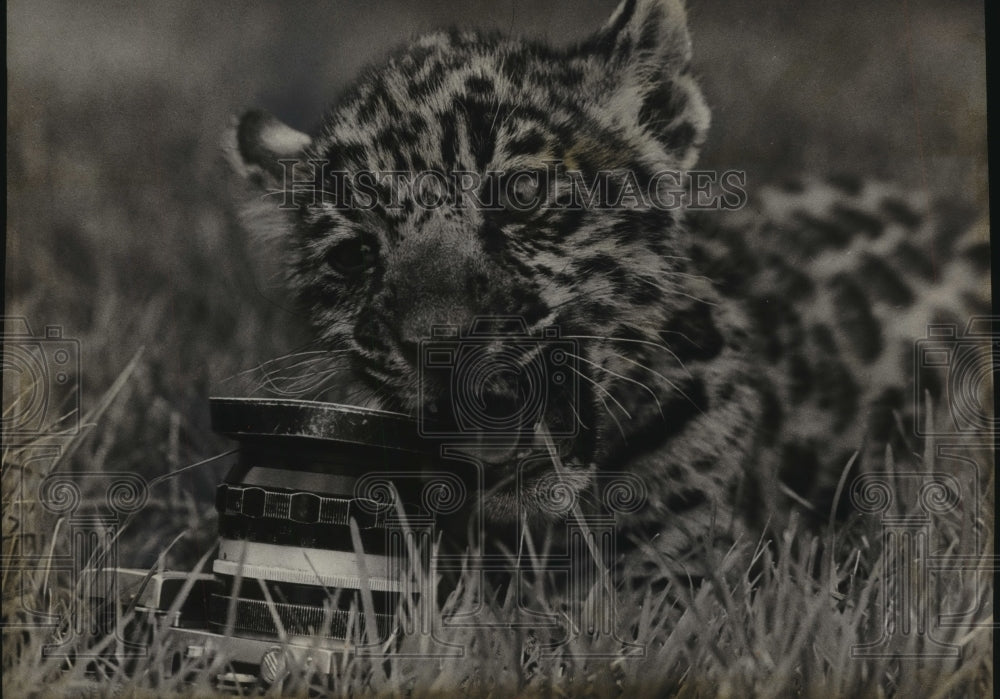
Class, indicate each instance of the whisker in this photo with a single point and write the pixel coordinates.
(669, 274)
(675, 291)
(682, 335)
(606, 391)
(579, 421)
(608, 410)
(612, 416)
(304, 362)
(263, 364)
(634, 341)
(671, 383)
(624, 378)
(299, 385)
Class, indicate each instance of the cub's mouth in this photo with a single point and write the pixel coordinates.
(516, 404)
(538, 480)
(531, 475)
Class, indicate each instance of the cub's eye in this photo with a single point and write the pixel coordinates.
(351, 258)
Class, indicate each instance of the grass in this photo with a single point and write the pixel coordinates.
(783, 616)
(121, 230)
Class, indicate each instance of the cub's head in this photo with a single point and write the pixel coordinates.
(438, 238)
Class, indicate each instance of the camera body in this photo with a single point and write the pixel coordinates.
(961, 365)
(534, 371)
(41, 381)
(321, 514)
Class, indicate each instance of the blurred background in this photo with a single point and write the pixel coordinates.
(121, 226)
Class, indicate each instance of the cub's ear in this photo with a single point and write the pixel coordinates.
(647, 35)
(257, 143)
(643, 54)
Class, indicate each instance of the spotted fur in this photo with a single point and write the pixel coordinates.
(729, 361)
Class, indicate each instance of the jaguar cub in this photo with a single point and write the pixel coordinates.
(732, 361)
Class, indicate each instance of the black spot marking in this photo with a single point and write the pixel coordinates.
(692, 334)
(530, 306)
(884, 282)
(799, 467)
(529, 143)
(907, 256)
(642, 294)
(480, 118)
(343, 155)
(686, 499)
(800, 377)
(605, 42)
(836, 391)
(845, 182)
(684, 404)
(770, 314)
(733, 270)
(419, 90)
(899, 211)
(679, 137)
(416, 123)
(601, 263)
(704, 464)
(791, 281)
(597, 311)
(952, 221)
(494, 240)
(881, 421)
(817, 233)
(928, 379)
(662, 105)
(649, 39)
(479, 85)
(979, 255)
(681, 409)
(567, 222)
(449, 139)
(737, 339)
(623, 19)
(771, 417)
(747, 494)
(976, 304)
(823, 338)
(854, 314)
(857, 220)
